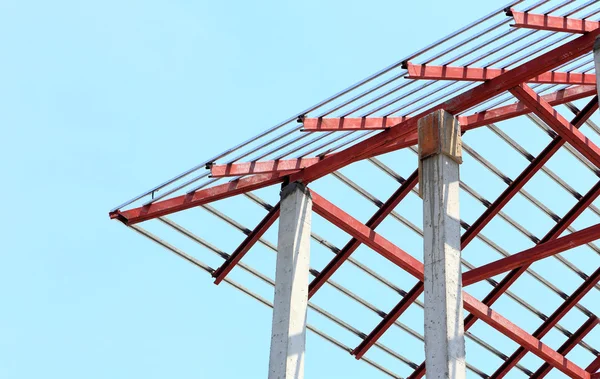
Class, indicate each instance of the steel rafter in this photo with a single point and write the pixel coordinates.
(388, 123)
(526, 175)
(375, 145)
(191, 200)
(512, 276)
(220, 273)
(506, 112)
(521, 337)
(569, 344)
(534, 254)
(547, 325)
(557, 122)
(388, 320)
(594, 366)
(382, 246)
(373, 222)
(372, 146)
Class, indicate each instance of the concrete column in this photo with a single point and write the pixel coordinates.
(440, 155)
(597, 62)
(291, 284)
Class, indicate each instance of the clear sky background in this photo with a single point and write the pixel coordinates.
(101, 100)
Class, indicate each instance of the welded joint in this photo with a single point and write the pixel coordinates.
(439, 133)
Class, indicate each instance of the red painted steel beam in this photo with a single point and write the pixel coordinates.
(373, 223)
(478, 74)
(460, 103)
(523, 338)
(366, 236)
(534, 254)
(466, 122)
(560, 227)
(349, 123)
(569, 344)
(557, 122)
(251, 239)
(414, 267)
(550, 322)
(594, 366)
(552, 23)
(512, 276)
(261, 167)
(373, 145)
(388, 320)
(518, 109)
(526, 175)
(201, 197)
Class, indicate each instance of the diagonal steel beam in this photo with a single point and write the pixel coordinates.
(521, 337)
(478, 74)
(594, 366)
(388, 320)
(547, 325)
(366, 236)
(526, 175)
(569, 344)
(506, 112)
(534, 254)
(552, 23)
(512, 276)
(373, 223)
(415, 268)
(220, 273)
(557, 122)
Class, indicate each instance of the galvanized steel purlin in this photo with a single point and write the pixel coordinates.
(347, 101)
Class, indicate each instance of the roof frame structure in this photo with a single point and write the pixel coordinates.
(350, 137)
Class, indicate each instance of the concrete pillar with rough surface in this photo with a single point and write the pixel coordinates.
(597, 63)
(440, 155)
(288, 336)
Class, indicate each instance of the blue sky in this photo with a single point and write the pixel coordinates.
(102, 100)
